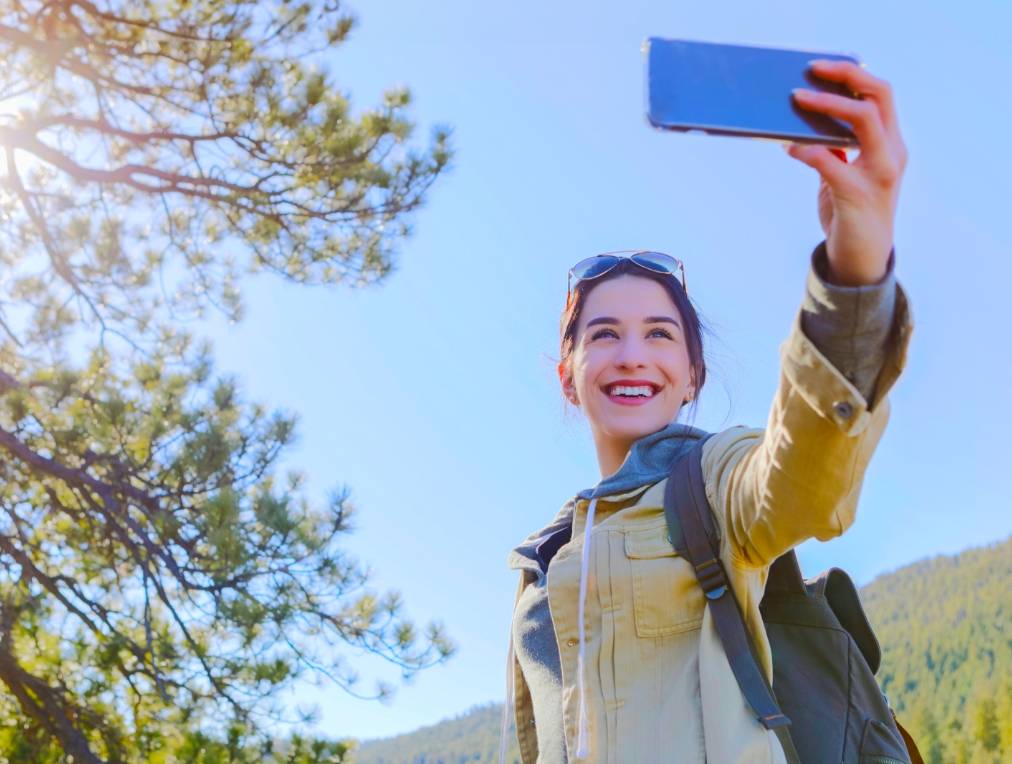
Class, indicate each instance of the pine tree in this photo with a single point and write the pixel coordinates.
(160, 578)
(1005, 717)
(985, 724)
(930, 742)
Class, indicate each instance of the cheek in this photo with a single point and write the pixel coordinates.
(584, 370)
(579, 373)
(679, 368)
(684, 362)
(685, 367)
(591, 356)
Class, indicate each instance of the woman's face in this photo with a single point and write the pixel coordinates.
(630, 331)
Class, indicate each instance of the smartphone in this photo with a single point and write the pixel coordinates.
(739, 90)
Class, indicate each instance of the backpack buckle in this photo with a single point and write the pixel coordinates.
(772, 721)
(712, 578)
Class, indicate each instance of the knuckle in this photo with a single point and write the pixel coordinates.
(889, 174)
(867, 111)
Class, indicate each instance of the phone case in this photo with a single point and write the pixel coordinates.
(739, 90)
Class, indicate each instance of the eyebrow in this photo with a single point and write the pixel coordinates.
(647, 320)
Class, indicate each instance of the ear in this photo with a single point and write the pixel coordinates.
(568, 388)
(571, 392)
(691, 392)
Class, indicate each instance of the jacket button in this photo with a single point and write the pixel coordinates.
(843, 409)
(572, 642)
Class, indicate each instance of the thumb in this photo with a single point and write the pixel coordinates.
(829, 164)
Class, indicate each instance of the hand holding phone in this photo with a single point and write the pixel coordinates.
(857, 201)
(782, 95)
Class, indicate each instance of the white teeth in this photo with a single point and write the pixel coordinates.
(644, 390)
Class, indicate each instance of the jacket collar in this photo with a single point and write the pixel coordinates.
(649, 460)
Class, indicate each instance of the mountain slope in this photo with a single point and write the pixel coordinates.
(472, 737)
(945, 625)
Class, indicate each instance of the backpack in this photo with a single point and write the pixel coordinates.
(828, 706)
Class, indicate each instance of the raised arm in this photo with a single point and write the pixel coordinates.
(801, 476)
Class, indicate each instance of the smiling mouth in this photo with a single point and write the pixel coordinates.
(631, 394)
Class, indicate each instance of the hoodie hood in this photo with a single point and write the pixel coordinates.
(649, 460)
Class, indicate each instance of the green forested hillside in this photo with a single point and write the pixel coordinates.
(945, 625)
(471, 737)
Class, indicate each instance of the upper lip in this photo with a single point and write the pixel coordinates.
(633, 383)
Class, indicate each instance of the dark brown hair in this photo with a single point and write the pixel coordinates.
(693, 331)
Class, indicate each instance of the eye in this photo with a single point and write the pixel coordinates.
(601, 333)
(665, 332)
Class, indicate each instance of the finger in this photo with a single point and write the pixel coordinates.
(862, 82)
(821, 158)
(863, 115)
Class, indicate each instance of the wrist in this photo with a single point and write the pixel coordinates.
(855, 270)
(839, 279)
(856, 276)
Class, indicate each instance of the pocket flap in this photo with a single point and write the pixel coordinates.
(882, 745)
(648, 544)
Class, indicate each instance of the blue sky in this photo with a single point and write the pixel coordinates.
(434, 396)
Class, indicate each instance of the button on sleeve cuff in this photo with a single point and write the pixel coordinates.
(822, 384)
(850, 325)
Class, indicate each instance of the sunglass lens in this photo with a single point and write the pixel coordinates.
(593, 267)
(656, 261)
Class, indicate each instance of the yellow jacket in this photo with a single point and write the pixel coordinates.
(657, 684)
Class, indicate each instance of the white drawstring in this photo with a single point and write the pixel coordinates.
(582, 743)
(507, 708)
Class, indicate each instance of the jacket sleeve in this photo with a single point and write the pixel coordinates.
(801, 477)
(849, 325)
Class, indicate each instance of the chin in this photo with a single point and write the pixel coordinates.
(634, 430)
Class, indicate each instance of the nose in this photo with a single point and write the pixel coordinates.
(630, 353)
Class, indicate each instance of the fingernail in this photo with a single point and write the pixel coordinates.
(800, 92)
(818, 62)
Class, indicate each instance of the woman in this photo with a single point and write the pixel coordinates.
(613, 657)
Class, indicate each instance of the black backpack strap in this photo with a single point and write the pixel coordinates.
(690, 522)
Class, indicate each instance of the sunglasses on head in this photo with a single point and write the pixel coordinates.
(598, 265)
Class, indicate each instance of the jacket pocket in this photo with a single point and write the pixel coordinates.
(666, 596)
(880, 745)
